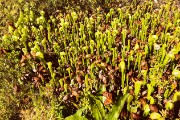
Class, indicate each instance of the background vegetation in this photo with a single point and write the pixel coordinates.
(89, 59)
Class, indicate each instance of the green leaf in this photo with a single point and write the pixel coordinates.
(77, 115)
(97, 108)
(155, 115)
(117, 107)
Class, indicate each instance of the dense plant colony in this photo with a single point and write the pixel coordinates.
(112, 62)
